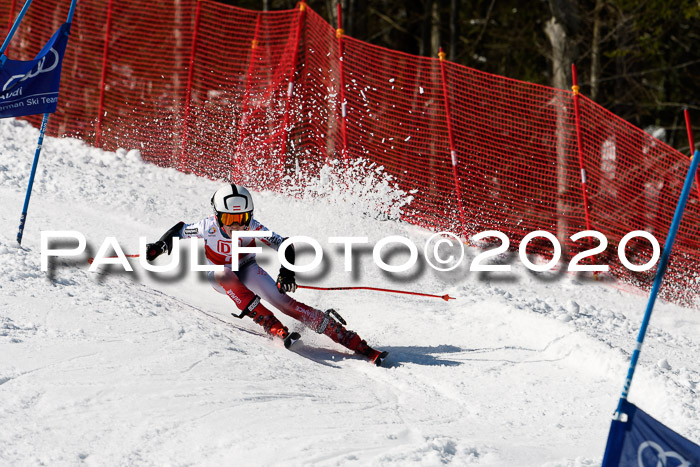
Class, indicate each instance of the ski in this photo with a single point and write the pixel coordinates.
(320, 355)
(291, 342)
(313, 354)
(379, 360)
(291, 339)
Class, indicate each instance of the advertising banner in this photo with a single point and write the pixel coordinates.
(31, 87)
(644, 442)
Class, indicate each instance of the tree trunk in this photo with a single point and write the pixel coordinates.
(455, 6)
(562, 58)
(560, 30)
(435, 30)
(595, 51)
(622, 44)
(357, 19)
(332, 7)
(425, 48)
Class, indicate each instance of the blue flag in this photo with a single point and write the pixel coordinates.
(31, 87)
(643, 441)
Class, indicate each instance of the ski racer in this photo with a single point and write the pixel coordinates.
(233, 211)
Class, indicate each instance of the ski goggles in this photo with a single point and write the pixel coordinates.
(230, 218)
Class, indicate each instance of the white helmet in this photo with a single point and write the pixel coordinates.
(232, 204)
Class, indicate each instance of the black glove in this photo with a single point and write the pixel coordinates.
(154, 250)
(285, 281)
(165, 243)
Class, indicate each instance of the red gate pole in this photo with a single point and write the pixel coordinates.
(692, 147)
(188, 91)
(453, 151)
(103, 76)
(11, 20)
(339, 34)
(290, 86)
(244, 115)
(579, 140)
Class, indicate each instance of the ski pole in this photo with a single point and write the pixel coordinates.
(90, 260)
(445, 297)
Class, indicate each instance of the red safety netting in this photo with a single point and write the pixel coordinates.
(256, 98)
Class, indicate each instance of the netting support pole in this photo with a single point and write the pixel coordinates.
(188, 90)
(453, 150)
(290, 87)
(103, 76)
(689, 128)
(339, 34)
(243, 121)
(14, 27)
(12, 15)
(579, 141)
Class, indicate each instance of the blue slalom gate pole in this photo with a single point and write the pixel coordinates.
(5, 43)
(71, 11)
(663, 263)
(44, 122)
(23, 217)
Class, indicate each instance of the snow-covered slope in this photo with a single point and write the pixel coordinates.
(116, 368)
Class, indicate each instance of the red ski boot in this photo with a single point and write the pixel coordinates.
(269, 322)
(337, 332)
(375, 356)
(274, 327)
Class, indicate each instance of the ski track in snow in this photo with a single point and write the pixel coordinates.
(115, 368)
